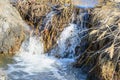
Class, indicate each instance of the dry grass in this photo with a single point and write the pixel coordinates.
(58, 23)
(34, 13)
(103, 51)
(107, 70)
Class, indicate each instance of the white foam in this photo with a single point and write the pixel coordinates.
(68, 40)
(30, 59)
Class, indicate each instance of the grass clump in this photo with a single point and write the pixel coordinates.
(102, 56)
(34, 12)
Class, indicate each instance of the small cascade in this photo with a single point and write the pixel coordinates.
(30, 63)
(68, 40)
(47, 21)
(71, 37)
(30, 55)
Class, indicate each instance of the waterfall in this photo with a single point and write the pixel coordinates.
(31, 56)
(69, 39)
(31, 63)
(47, 21)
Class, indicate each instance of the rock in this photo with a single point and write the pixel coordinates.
(11, 28)
(3, 75)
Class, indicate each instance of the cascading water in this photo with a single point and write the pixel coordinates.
(47, 21)
(68, 40)
(31, 64)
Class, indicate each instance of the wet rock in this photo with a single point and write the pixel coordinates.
(11, 28)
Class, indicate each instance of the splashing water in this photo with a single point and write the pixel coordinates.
(31, 64)
(68, 40)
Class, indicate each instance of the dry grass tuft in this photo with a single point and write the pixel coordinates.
(103, 55)
(107, 70)
(34, 13)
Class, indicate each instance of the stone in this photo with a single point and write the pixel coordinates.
(3, 75)
(11, 28)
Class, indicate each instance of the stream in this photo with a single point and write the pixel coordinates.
(31, 63)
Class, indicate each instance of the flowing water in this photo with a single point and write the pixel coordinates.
(30, 63)
(68, 40)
